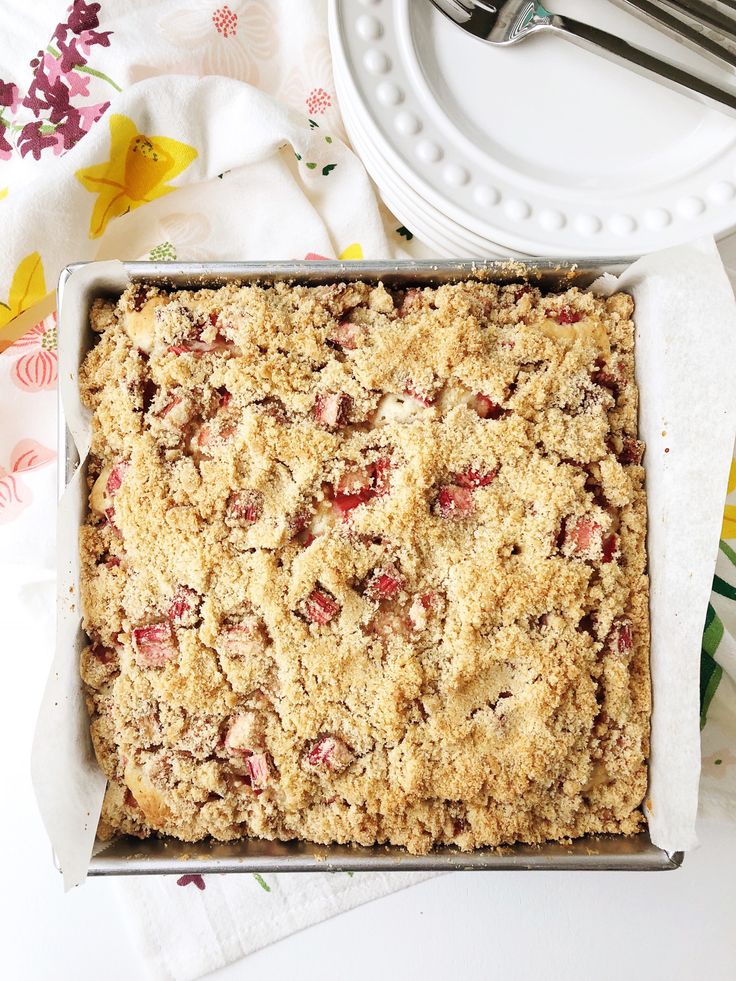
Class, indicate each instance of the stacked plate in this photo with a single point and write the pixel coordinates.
(538, 149)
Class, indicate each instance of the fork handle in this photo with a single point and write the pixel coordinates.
(619, 51)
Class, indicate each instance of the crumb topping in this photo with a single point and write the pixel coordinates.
(366, 564)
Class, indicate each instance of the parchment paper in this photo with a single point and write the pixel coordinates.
(685, 352)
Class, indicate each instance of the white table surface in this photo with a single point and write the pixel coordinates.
(673, 925)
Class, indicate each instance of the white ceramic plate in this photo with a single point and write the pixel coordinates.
(542, 148)
(413, 211)
(409, 208)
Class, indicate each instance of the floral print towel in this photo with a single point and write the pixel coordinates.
(201, 130)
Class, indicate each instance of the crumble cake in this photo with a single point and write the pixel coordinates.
(366, 565)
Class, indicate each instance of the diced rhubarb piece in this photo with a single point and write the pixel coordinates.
(224, 397)
(331, 409)
(565, 315)
(382, 476)
(355, 481)
(485, 407)
(424, 606)
(128, 798)
(245, 733)
(154, 644)
(172, 403)
(105, 655)
(475, 478)
(348, 335)
(248, 638)
(212, 434)
(385, 584)
(258, 770)
(245, 507)
(622, 638)
(454, 501)
(320, 607)
(329, 753)
(112, 561)
(390, 620)
(420, 395)
(412, 300)
(115, 477)
(632, 450)
(345, 503)
(608, 375)
(583, 535)
(184, 604)
(609, 548)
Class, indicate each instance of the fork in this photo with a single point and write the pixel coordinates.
(506, 22)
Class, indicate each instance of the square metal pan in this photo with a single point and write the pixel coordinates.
(156, 856)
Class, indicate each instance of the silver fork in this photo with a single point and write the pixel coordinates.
(506, 22)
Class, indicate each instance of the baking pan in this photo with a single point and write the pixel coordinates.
(156, 856)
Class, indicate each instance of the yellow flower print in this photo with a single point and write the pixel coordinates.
(729, 517)
(137, 171)
(26, 289)
(3, 192)
(354, 251)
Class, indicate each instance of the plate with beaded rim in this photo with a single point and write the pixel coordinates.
(543, 148)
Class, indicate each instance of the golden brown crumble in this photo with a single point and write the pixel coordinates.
(366, 564)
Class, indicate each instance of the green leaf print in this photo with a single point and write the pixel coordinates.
(261, 882)
(710, 670)
(327, 169)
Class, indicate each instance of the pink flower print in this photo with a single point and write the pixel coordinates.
(37, 370)
(197, 880)
(90, 114)
(225, 21)
(14, 496)
(318, 102)
(316, 257)
(78, 84)
(227, 39)
(29, 455)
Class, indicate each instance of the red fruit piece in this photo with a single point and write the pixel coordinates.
(623, 639)
(224, 397)
(419, 394)
(475, 478)
(632, 450)
(115, 478)
(385, 584)
(565, 315)
(104, 655)
(258, 770)
(245, 639)
(609, 548)
(355, 481)
(329, 753)
(412, 300)
(486, 408)
(154, 644)
(331, 409)
(584, 534)
(320, 607)
(607, 375)
(210, 434)
(454, 502)
(348, 335)
(245, 507)
(173, 401)
(345, 503)
(184, 602)
(382, 476)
